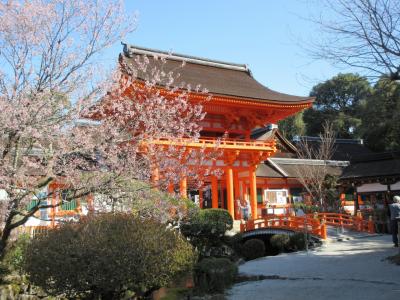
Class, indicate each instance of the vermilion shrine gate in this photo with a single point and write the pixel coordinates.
(239, 104)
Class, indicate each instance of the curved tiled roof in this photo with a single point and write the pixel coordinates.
(219, 78)
(373, 165)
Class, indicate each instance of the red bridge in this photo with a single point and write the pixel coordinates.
(315, 224)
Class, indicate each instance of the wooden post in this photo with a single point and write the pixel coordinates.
(253, 192)
(371, 225)
(171, 189)
(398, 233)
(355, 197)
(359, 221)
(237, 195)
(229, 190)
(214, 192)
(56, 193)
(200, 198)
(324, 234)
(155, 176)
(183, 187)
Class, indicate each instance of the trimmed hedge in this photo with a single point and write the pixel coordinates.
(280, 242)
(253, 248)
(213, 275)
(297, 241)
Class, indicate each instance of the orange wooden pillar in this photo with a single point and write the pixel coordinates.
(54, 202)
(200, 198)
(171, 189)
(214, 192)
(229, 190)
(253, 192)
(155, 176)
(237, 195)
(90, 203)
(183, 187)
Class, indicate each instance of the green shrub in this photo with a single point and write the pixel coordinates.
(206, 228)
(15, 255)
(280, 241)
(4, 271)
(297, 241)
(107, 256)
(214, 274)
(236, 243)
(308, 209)
(253, 248)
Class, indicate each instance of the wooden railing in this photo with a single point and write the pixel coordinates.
(307, 224)
(356, 223)
(313, 223)
(220, 144)
(33, 231)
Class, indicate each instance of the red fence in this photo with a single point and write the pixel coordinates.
(301, 224)
(314, 224)
(356, 223)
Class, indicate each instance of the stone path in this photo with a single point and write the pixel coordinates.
(349, 266)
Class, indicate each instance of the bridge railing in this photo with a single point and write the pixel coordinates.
(347, 221)
(300, 224)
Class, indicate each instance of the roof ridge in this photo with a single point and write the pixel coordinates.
(376, 156)
(337, 140)
(129, 50)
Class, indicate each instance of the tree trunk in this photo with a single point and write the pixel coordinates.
(5, 235)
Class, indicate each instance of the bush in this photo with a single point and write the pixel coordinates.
(236, 243)
(107, 256)
(15, 255)
(4, 271)
(307, 209)
(280, 241)
(206, 228)
(297, 241)
(214, 274)
(253, 248)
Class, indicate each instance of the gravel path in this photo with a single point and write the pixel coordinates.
(352, 267)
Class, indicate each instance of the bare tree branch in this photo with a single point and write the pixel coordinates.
(313, 163)
(361, 33)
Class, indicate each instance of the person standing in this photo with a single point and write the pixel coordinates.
(395, 219)
(246, 210)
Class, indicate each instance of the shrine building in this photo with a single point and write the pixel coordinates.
(239, 104)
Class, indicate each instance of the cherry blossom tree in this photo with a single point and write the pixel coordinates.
(63, 120)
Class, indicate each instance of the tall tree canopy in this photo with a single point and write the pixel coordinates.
(380, 119)
(338, 101)
(293, 126)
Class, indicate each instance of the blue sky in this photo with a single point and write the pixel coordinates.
(265, 34)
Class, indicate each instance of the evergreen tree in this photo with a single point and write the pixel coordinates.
(380, 119)
(292, 126)
(338, 101)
